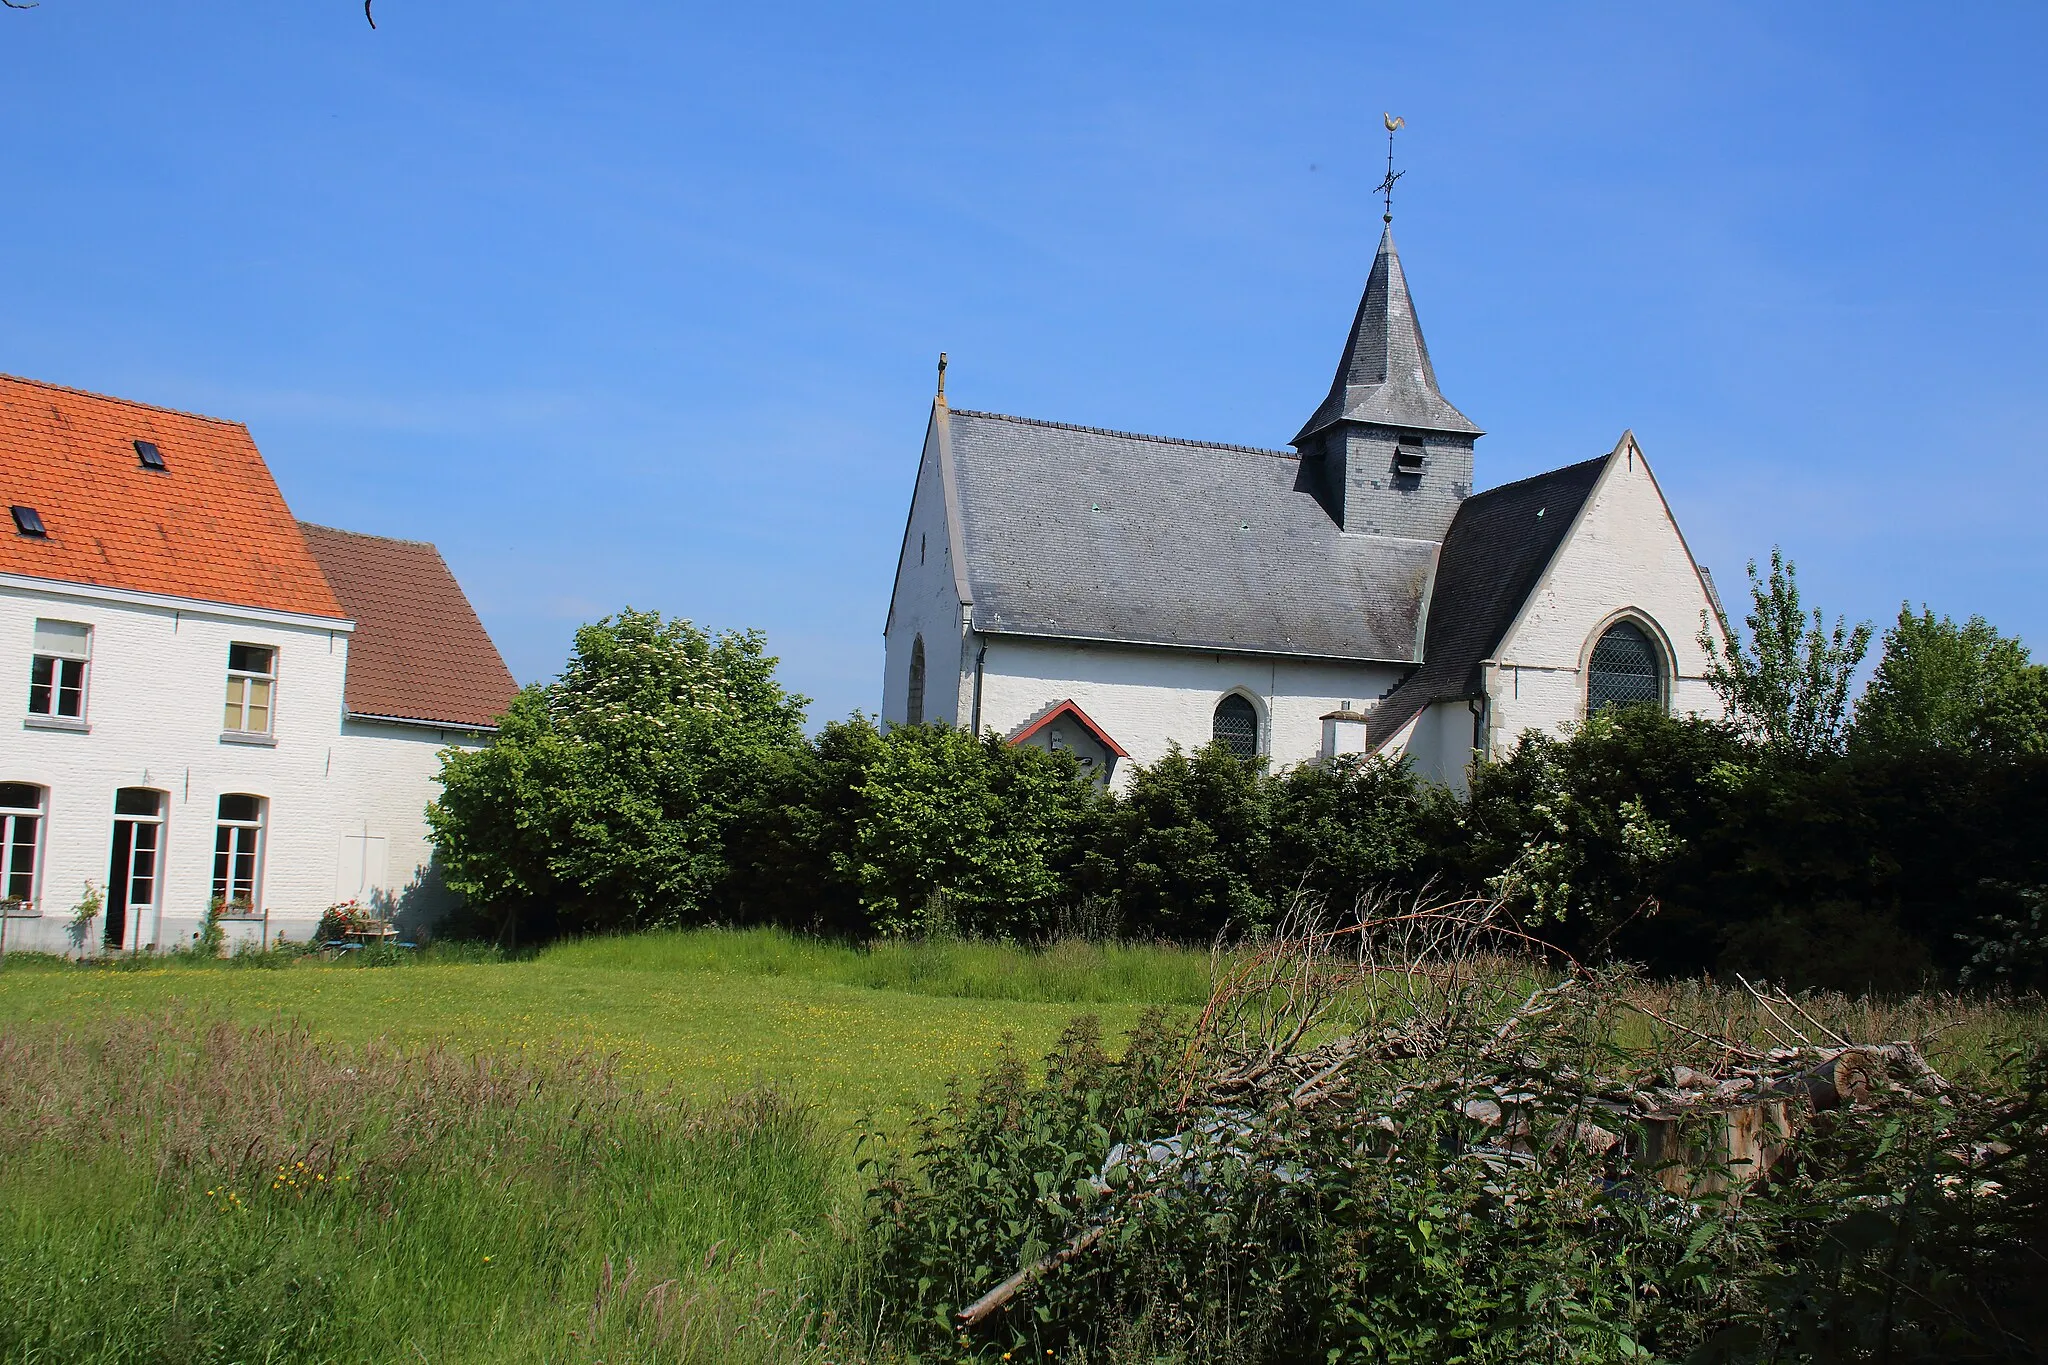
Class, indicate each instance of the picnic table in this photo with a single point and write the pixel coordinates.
(365, 934)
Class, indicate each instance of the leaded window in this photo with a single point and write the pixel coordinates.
(1237, 726)
(1626, 670)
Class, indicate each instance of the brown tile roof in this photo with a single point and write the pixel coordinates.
(212, 526)
(418, 652)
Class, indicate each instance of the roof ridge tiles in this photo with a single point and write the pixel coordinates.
(124, 402)
(1127, 435)
(369, 535)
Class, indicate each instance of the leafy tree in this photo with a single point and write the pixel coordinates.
(1184, 849)
(1962, 688)
(1348, 826)
(1590, 836)
(954, 831)
(1790, 687)
(785, 840)
(606, 798)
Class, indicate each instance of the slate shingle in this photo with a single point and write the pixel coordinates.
(1086, 534)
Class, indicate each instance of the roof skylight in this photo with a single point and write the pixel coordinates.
(151, 457)
(27, 521)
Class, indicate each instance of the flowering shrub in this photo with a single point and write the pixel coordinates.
(342, 919)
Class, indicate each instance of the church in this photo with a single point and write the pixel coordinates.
(1113, 594)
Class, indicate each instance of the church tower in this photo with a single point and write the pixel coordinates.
(1386, 454)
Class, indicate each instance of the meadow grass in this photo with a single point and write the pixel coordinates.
(178, 1189)
(648, 1137)
(1069, 971)
(856, 1032)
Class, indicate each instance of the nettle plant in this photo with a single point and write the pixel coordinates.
(1401, 1141)
(1224, 1190)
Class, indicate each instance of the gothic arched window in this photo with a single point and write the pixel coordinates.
(1626, 670)
(913, 709)
(1237, 726)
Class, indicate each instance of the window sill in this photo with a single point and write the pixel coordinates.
(70, 723)
(257, 917)
(248, 737)
(24, 912)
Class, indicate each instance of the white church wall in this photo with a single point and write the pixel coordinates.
(1626, 555)
(1437, 741)
(926, 604)
(1146, 698)
(156, 686)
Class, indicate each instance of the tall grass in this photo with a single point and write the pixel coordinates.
(1070, 971)
(173, 1189)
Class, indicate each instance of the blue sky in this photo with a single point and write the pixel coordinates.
(639, 303)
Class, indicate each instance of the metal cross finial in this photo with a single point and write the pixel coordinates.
(942, 374)
(1386, 187)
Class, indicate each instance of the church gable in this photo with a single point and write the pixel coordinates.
(1497, 550)
(1624, 567)
(924, 634)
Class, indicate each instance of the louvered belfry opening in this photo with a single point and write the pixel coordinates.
(1626, 670)
(1237, 726)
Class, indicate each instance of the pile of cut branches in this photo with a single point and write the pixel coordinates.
(1420, 1135)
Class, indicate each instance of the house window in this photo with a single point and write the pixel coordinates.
(238, 853)
(252, 685)
(21, 830)
(1626, 670)
(913, 709)
(56, 673)
(1237, 726)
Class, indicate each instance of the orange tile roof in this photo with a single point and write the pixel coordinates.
(419, 651)
(213, 527)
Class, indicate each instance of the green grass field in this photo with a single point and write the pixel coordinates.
(708, 1012)
(616, 1150)
(634, 1149)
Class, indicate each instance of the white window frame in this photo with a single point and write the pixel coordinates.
(57, 657)
(10, 833)
(240, 682)
(154, 905)
(234, 834)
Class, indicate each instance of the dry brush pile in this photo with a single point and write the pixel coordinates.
(1416, 1136)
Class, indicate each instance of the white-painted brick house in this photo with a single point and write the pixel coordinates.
(215, 703)
(1116, 594)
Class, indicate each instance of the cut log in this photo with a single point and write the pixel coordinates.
(991, 1303)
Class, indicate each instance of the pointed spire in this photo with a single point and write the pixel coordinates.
(1385, 377)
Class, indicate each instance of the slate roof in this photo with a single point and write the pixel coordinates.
(210, 526)
(419, 652)
(1384, 376)
(1087, 534)
(1497, 548)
